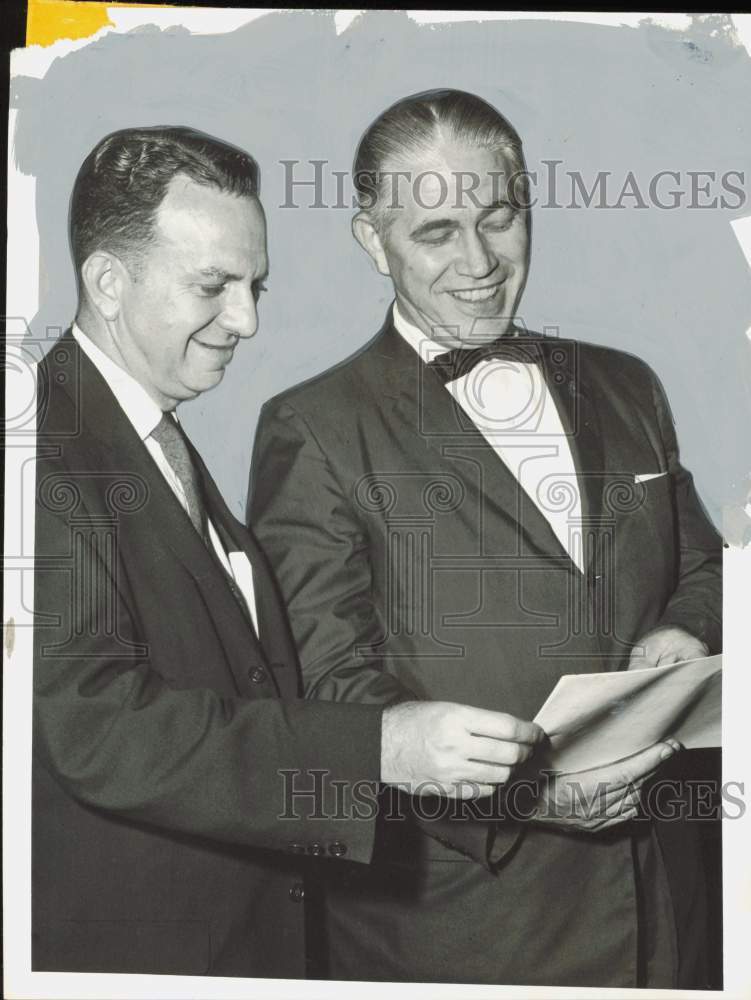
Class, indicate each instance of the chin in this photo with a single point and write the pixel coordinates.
(208, 380)
(478, 329)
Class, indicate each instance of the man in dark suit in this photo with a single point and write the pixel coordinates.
(463, 510)
(179, 780)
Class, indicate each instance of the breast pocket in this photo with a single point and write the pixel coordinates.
(656, 493)
(654, 483)
(645, 528)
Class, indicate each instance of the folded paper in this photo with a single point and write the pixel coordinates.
(597, 719)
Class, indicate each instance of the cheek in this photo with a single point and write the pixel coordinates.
(518, 248)
(422, 273)
(512, 256)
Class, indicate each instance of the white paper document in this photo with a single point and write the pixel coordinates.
(597, 719)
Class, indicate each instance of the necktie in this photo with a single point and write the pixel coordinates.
(171, 439)
(461, 360)
(168, 434)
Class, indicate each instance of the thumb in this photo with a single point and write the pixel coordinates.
(644, 762)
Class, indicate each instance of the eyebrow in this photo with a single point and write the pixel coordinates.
(425, 228)
(428, 227)
(495, 205)
(219, 274)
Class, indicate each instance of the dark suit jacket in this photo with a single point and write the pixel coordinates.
(412, 563)
(162, 724)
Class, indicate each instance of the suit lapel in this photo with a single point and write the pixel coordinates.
(421, 402)
(581, 422)
(165, 520)
(275, 637)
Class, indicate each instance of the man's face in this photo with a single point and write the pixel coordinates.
(458, 257)
(193, 293)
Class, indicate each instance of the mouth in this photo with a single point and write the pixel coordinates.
(217, 348)
(473, 295)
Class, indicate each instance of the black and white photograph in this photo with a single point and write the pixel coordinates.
(377, 503)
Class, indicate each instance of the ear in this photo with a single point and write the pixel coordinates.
(367, 236)
(103, 275)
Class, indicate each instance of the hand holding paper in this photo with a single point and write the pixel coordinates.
(596, 719)
(599, 798)
(664, 646)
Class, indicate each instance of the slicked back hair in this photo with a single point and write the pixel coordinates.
(123, 181)
(413, 126)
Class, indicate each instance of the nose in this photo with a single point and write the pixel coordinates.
(476, 258)
(239, 316)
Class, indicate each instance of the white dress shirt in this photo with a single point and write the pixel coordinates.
(144, 414)
(510, 405)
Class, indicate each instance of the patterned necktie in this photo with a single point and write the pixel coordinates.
(461, 360)
(171, 439)
(169, 435)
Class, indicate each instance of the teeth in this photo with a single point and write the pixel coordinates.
(476, 294)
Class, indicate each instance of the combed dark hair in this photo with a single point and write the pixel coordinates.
(125, 177)
(412, 126)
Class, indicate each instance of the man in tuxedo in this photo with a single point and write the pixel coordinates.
(466, 510)
(180, 783)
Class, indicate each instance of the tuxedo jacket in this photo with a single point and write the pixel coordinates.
(414, 565)
(170, 742)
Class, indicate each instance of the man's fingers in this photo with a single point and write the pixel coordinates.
(481, 771)
(665, 646)
(628, 797)
(640, 765)
(497, 751)
(643, 656)
(453, 789)
(670, 656)
(631, 772)
(500, 726)
(470, 790)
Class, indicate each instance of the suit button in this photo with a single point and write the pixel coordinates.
(316, 850)
(257, 675)
(296, 848)
(337, 850)
(297, 892)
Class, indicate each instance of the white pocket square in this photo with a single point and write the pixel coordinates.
(646, 476)
(243, 574)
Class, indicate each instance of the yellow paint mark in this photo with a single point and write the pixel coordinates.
(49, 20)
(10, 636)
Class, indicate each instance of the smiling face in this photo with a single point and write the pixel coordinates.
(457, 250)
(194, 292)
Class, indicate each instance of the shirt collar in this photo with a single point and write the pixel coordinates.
(420, 342)
(140, 409)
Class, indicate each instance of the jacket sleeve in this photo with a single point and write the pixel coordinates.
(696, 603)
(251, 771)
(301, 512)
(307, 525)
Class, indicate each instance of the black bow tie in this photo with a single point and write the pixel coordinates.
(461, 360)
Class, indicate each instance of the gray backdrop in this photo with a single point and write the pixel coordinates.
(668, 285)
